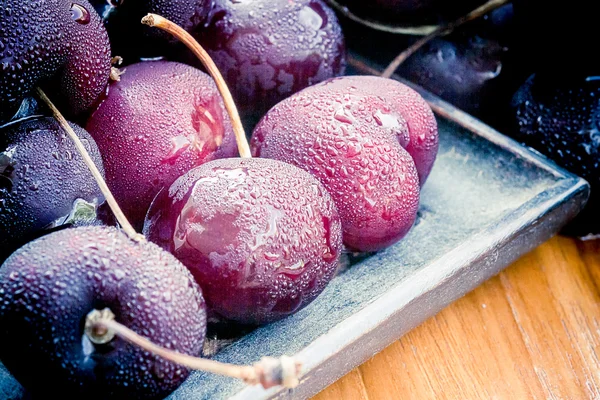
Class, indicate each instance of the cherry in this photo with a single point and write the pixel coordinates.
(44, 182)
(269, 49)
(560, 117)
(131, 40)
(261, 237)
(422, 141)
(158, 122)
(456, 71)
(351, 140)
(465, 68)
(48, 288)
(58, 44)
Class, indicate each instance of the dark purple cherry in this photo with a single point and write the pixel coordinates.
(130, 39)
(44, 183)
(158, 122)
(48, 288)
(463, 72)
(58, 44)
(270, 49)
(471, 68)
(560, 117)
(261, 237)
(349, 135)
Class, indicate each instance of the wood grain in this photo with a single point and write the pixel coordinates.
(532, 332)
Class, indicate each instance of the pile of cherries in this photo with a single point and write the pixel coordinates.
(338, 163)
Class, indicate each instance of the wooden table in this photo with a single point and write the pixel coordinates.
(532, 332)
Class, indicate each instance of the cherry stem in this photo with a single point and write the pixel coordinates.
(110, 199)
(182, 35)
(268, 371)
(441, 30)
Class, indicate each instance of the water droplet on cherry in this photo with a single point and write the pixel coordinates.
(80, 14)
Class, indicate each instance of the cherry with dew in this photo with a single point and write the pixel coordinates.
(351, 140)
(470, 68)
(262, 238)
(44, 182)
(58, 44)
(157, 122)
(270, 49)
(47, 290)
(423, 139)
(560, 117)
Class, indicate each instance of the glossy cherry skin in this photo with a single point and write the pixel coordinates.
(351, 142)
(270, 49)
(48, 287)
(58, 44)
(474, 68)
(261, 237)
(461, 72)
(43, 180)
(422, 142)
(158, 122)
